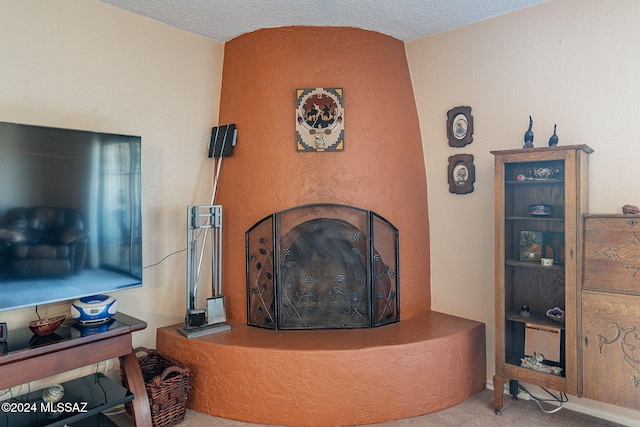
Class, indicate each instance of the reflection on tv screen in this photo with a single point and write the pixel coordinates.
(70, 213)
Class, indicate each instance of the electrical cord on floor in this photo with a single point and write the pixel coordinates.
(118, 409)
(560, 400)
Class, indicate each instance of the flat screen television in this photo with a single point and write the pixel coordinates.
(70, 214)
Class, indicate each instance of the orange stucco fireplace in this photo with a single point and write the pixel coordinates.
(381, 168)
(426, 361)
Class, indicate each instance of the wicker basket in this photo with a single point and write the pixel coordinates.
(167, 385)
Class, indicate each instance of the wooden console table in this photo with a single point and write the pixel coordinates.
(31, 358)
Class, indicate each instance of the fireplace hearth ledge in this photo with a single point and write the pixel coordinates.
(332, 377)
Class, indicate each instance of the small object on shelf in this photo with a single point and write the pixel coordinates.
(553, 141)
(556, 370)
(44, 327)
(544, 173)
(524, 311)
(546, 261)
(630, 209)
(540, 210)
(530, 245)
(528, 135)
(556, 314)
(535, 362)
(53, 394)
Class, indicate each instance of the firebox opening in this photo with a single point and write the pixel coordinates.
(324, 277)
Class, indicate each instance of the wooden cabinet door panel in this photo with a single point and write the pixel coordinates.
(611, 348)
(612, 253)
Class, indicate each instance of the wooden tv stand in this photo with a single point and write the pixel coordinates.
(71, 348)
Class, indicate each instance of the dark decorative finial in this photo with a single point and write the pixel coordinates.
(553, 141)
(528, 135)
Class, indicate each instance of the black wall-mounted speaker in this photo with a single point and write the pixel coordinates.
(222, 140)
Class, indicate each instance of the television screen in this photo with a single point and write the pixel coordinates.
(70, 214)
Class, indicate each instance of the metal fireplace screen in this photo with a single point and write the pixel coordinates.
(322, 267)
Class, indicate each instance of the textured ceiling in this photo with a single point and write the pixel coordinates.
(223, 20)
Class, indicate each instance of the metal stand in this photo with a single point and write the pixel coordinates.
(208, 219)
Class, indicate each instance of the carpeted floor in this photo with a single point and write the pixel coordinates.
(475, 411)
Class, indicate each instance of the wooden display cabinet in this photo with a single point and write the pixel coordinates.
(555, 176)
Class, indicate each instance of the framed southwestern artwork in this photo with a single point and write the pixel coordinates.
(320, 119)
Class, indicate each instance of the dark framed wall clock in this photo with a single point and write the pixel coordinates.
(459, 126)
(462, 173)
(320, 119)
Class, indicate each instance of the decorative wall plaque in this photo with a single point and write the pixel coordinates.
(459, 126)
(462, 173)
(320, 119)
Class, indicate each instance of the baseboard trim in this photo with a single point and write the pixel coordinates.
(580, 407)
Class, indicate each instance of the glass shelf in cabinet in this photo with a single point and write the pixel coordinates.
(536, 318)
(516, 361)
(535, 182)
(533, 264)
(533, 218)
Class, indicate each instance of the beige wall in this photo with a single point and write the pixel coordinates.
(85, 65)
(570, 62)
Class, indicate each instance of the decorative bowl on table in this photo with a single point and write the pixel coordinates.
(540, 209)
(44, 327)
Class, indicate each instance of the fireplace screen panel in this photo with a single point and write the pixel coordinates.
(385, 280)
(260, 274)
(317, 267)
